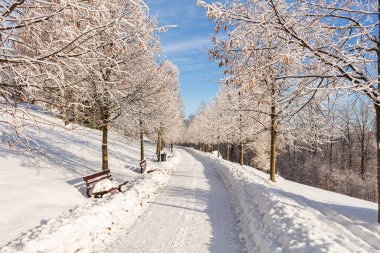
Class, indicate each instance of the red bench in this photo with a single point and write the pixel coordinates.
(96, 177)
(143, 164)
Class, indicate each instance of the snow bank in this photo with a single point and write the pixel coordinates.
(290, 217)
(93, 225)
(40, 185)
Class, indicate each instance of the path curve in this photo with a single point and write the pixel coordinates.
(192, 214)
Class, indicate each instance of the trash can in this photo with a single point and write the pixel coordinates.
(163, 157)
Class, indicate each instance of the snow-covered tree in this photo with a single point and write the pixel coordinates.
(167, 121)
(94, 52)
(23, 68)
(340, 39)
(255, 62)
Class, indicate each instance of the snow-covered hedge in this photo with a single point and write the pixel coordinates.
(274, 220)
(93, 225)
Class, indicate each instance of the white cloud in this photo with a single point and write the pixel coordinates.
(188, 45)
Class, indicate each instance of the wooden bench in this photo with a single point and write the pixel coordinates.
(90, 180)
(143, 164)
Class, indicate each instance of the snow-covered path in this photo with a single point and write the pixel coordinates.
(192, 214)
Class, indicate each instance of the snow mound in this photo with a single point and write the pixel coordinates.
(290, 217)
(104, 185)
(215, 153)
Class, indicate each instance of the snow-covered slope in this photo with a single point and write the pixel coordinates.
(291, 217)
(34, 190)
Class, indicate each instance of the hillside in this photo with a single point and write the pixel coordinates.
(36, 187)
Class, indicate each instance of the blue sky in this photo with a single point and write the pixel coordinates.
(186, 46)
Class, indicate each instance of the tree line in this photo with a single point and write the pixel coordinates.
(300, 78)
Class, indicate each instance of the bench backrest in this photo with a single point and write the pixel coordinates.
(96, 177)
(143, 163)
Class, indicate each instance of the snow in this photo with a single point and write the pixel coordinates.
(104, 185)
(34, 190)
(207, 204)
(149, 167)
(291, 217)
(89, 227)
(215, 152)
(192, 214)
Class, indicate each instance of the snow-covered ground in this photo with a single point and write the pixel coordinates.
(291, 217)
(91, 227)
(192, 214)
(44, 208)
(35, 190)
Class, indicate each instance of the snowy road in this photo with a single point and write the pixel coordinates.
(192, 214)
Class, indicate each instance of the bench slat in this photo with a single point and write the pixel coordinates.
(88, 183)
(96, 177)
(98, 174)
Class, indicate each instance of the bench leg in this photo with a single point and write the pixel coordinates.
(89, 192)
(121, 185)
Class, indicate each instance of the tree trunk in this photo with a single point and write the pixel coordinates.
(162, 142)
(331, 152)
(241, 153)
(362, 152)
(228, 152)
(232, 152)
(377, 109)
(273, 136)
(141, 141)
(105, 147)
(349, 146)
(158, 150)
(241, 150)
(218, 149)
(157, 143)
(160, 146)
